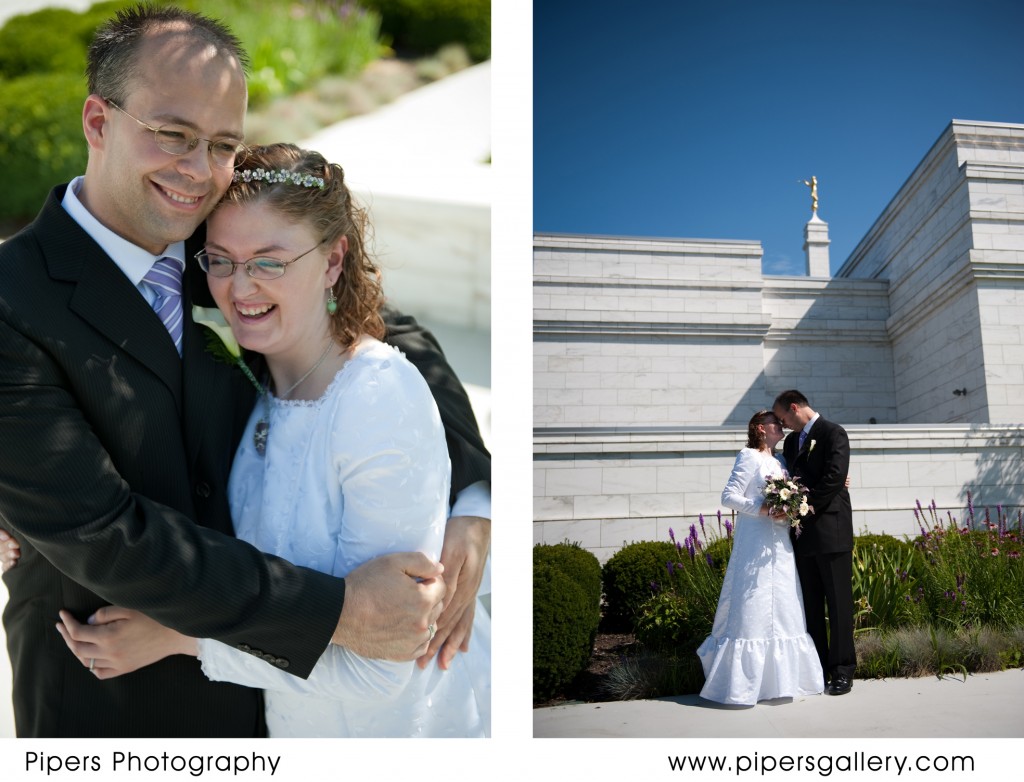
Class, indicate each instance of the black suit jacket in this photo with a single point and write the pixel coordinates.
(114, 460)
(822, 465)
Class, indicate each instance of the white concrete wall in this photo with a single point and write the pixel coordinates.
(828, 338)
(608, 488)
(646, 331)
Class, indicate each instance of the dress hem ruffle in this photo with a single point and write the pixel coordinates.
(743, 671)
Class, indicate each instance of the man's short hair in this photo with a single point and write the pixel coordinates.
(790, 397)
(112, 62)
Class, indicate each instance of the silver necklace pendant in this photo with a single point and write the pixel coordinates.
(259, 437)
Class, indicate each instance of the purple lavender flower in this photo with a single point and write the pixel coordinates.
(689, 548)
(671, 535)
(671, 569)
(970, 507)
(700, 516)
(707, 556)
(728, 529)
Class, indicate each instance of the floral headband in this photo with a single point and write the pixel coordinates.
(274, 177)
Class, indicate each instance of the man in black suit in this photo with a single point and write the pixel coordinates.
(818, 453)
(116, 436)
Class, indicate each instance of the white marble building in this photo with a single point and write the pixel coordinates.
(651, 355)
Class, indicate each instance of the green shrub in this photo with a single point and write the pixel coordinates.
(47, 41)
(633, 574)
(562, 638)
(720, 551)
(291, 45)
(577, 563)
(971, 577)
(662, 622)
(41, 140)
(679, 618)
(424, 26)
(884, 583)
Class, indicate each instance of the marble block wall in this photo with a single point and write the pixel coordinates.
(646, 331)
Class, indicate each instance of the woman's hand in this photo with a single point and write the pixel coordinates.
(10, 550)
(467, 541)
(119, 640)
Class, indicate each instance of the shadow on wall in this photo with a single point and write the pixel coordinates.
(1000, 471)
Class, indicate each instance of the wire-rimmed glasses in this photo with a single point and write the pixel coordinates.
(180, 140)
(257, 268)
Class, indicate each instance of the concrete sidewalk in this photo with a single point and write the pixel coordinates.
(987, 705)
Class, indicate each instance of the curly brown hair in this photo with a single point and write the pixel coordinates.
(756, 439)
(332, 213)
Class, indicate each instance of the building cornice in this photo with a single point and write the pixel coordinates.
(620, 329)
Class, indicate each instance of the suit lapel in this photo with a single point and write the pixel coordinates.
(104, 298)
(206, 382)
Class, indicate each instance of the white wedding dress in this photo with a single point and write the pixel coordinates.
(360, 472)
(759, 647)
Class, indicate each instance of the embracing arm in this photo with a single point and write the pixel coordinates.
(468, 534)
(61, 493)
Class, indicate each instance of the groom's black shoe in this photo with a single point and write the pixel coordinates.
(840, 685)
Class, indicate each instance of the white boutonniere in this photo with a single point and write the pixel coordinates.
(221, 343)
(813, 443)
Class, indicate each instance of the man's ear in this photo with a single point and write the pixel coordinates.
(95, 115)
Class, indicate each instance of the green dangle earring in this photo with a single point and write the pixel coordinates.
(332, 303)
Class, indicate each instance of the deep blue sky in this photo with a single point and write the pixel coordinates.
(697, 118)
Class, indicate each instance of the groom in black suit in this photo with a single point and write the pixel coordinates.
(818, 453)
(117, 432)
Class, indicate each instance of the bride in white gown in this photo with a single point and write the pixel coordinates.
(759, 647)
(343, 461)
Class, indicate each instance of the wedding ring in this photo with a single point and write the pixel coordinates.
(92, 663)
(432, 629)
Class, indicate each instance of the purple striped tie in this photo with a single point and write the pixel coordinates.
(165, 279)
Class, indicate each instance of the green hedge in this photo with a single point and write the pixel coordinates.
(628, 577)
(48, 41)
(562, 639)
(41, 141)
(424, 26)
(577, 563)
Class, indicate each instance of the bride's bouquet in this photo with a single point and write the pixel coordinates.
(789, 496)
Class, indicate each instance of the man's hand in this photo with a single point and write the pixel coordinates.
(467, 540)
(10, 551)
(119, 640)
(391, 607)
